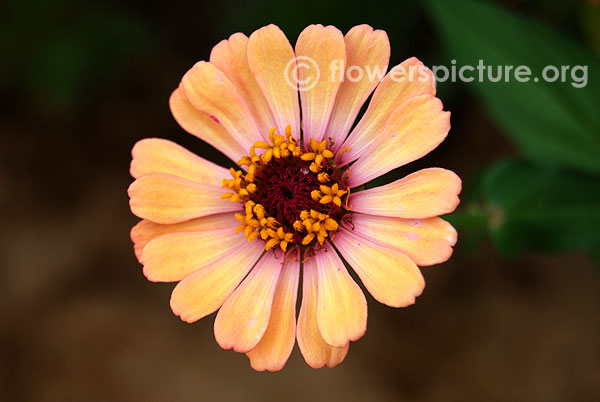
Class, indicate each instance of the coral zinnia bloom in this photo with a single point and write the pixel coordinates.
(236, 240)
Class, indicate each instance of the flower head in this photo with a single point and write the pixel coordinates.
(237, 240)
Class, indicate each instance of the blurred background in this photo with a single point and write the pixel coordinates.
(513, 316)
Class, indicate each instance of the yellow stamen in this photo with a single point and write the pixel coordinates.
(254, 219)
(327, 154)
(248, 231)
(316, 195)
(307, 239)
(309, 156)
(271, 243)
(343, 151)
(253, 236)
(347, 199)
(323, 177)
(320, 239)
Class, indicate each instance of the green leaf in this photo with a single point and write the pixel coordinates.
(543, 209)
(554, 123)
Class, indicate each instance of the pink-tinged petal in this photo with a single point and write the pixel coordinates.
(174, 256)
(315, 350)
(155, 155)
(204, 127)
(271, 60)
(146, 230)
(391, 277)
(417, 127)
(396, 88)
(318, 49)
(230, 56)
(275, 347)
(209, 90)
(423, 194)
(244, 317)
(164, 198)
(425, 241)
(369, 51)
(341, 304)
(204, 291)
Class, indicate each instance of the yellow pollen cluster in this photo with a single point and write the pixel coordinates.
(281, 147)
(328, 194)
(315, 224)
(255, 223)
(312, 225)
(319, 154)
(240, 187)
(323, 177)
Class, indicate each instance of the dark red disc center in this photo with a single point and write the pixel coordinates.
(284, 188)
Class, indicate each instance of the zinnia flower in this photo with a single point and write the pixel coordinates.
(237, 240)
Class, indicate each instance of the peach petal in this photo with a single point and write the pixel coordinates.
(146, 230)
(395, 89)
(203, 126)
(368, 50)
(244, 317)
(391, 277)
(425, 241)
(174, 256)
(324, 47)
(230, 56)
(271, 60)
(209, 90)
(204, 291)
(341, 304)
(415, 128)
(164, 198)
(155, 155)
(275, 347)
(423, 194)
(315, 350)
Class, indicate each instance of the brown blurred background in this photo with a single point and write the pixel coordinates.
(84, 81)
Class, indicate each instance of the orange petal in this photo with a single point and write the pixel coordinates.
(391, 277)
(244, 317)
(164, 198)
(271, 60)
(341, 305)
(146, 230)
(318, 49)
(394, 90)
(414, 129)
(230, 56)
(423, 194)
(174, 256)
(203, 126)
(209, 90)
(369, 50)
(204, 291)
(425, 241)
(155, 155)
(275, 347)
(315, 350)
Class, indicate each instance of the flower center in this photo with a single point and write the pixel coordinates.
(290, 196)
(284, 189)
